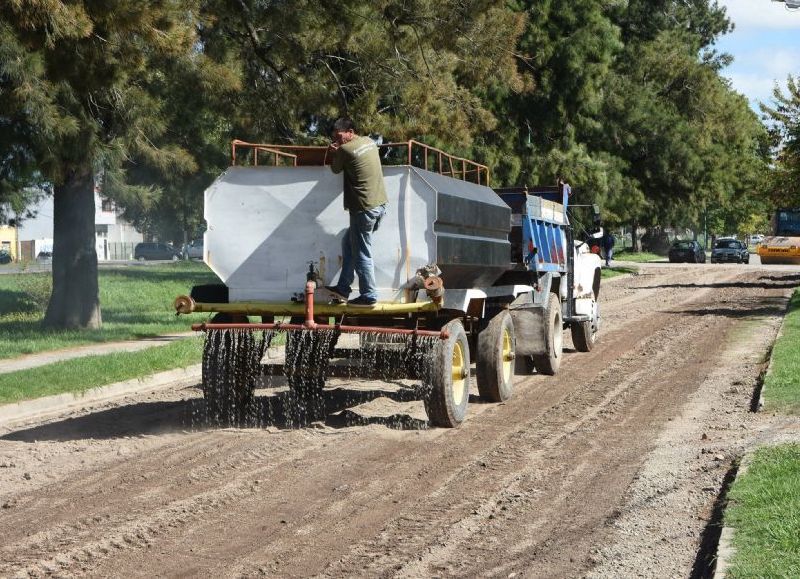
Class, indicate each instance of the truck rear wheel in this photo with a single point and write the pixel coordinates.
(448, 379)
(495, 364)
(549, 362)
(583, 336)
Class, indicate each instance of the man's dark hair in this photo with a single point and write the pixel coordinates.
(344, 124)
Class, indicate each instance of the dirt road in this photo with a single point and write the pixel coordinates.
(612, 468)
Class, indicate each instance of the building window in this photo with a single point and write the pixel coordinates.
(107, 206)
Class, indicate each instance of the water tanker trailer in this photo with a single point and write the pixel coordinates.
(465, 275)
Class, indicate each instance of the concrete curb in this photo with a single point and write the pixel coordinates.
(778, 336)
(725, 548)
(59, 403)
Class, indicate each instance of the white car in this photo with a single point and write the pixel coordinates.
(756, 239)
(193, 250)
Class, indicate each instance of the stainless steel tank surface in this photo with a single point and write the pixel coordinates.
(264, 224)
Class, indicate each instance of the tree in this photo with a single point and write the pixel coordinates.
(400, 68)
(784, 119)
(79, 88)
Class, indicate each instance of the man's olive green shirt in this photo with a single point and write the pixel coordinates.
(363, 175)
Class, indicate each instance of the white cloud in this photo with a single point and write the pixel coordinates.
(756, 87)
(776, 63)
(761, 14)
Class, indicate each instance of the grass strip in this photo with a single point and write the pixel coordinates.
(638, 256)
(764, 510)
(782, 384)
(608, 272)
(80, 374)
(136, 302)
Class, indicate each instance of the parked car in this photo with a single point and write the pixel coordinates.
(193, 250)
(45, 257)
(5, 257)
(729, 251)
(144, 251)
(756, 238)
(686, 251)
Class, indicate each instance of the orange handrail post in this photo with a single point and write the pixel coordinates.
(313, 155)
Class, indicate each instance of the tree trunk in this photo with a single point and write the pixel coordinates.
(635, 247)
(75, 302)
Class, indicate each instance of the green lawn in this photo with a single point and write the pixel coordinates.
(81, 374)
(782, 384)
(764, 510)
(764, 502)
(136, 302)
(614, 271)
(638, 257)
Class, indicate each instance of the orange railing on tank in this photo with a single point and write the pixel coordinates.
(409, 152)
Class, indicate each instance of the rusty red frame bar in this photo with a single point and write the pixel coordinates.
(468, 167)
(259, 147)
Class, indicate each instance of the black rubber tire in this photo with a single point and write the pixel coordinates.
(583, 338)
(445, 406)
(549, 362)
(495, 365)
(226, 318)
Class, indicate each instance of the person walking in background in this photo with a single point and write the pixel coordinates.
(365, 199)
(608, 246)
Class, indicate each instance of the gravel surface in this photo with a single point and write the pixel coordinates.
(612, 468)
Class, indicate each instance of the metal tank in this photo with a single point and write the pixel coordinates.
(266, 224)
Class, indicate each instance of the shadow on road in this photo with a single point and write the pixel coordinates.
(789, 282)
(753, 307)
(272, 409)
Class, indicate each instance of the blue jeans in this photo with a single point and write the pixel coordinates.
(357, 253)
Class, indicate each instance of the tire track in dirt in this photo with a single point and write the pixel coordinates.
(614, 397)
(297, 567)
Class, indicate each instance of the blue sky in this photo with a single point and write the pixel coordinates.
(765, 45)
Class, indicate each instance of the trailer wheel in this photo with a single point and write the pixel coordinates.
(549, 362)
(448, 379)
(495, 364)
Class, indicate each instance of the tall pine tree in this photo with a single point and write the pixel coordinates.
(79, 89)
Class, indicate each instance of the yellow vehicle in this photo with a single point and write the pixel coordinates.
(784, 246)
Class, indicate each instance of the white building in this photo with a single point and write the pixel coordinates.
(115, 238)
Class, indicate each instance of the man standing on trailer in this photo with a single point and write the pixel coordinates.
(365, 199)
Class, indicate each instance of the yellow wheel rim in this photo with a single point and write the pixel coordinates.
(459, 373)
(508, 357)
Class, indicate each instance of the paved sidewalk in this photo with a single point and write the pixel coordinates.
(44, 358)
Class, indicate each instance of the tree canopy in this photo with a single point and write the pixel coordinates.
(784, 118)
(625, 100)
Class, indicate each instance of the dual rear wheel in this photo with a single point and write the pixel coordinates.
(449, 378)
